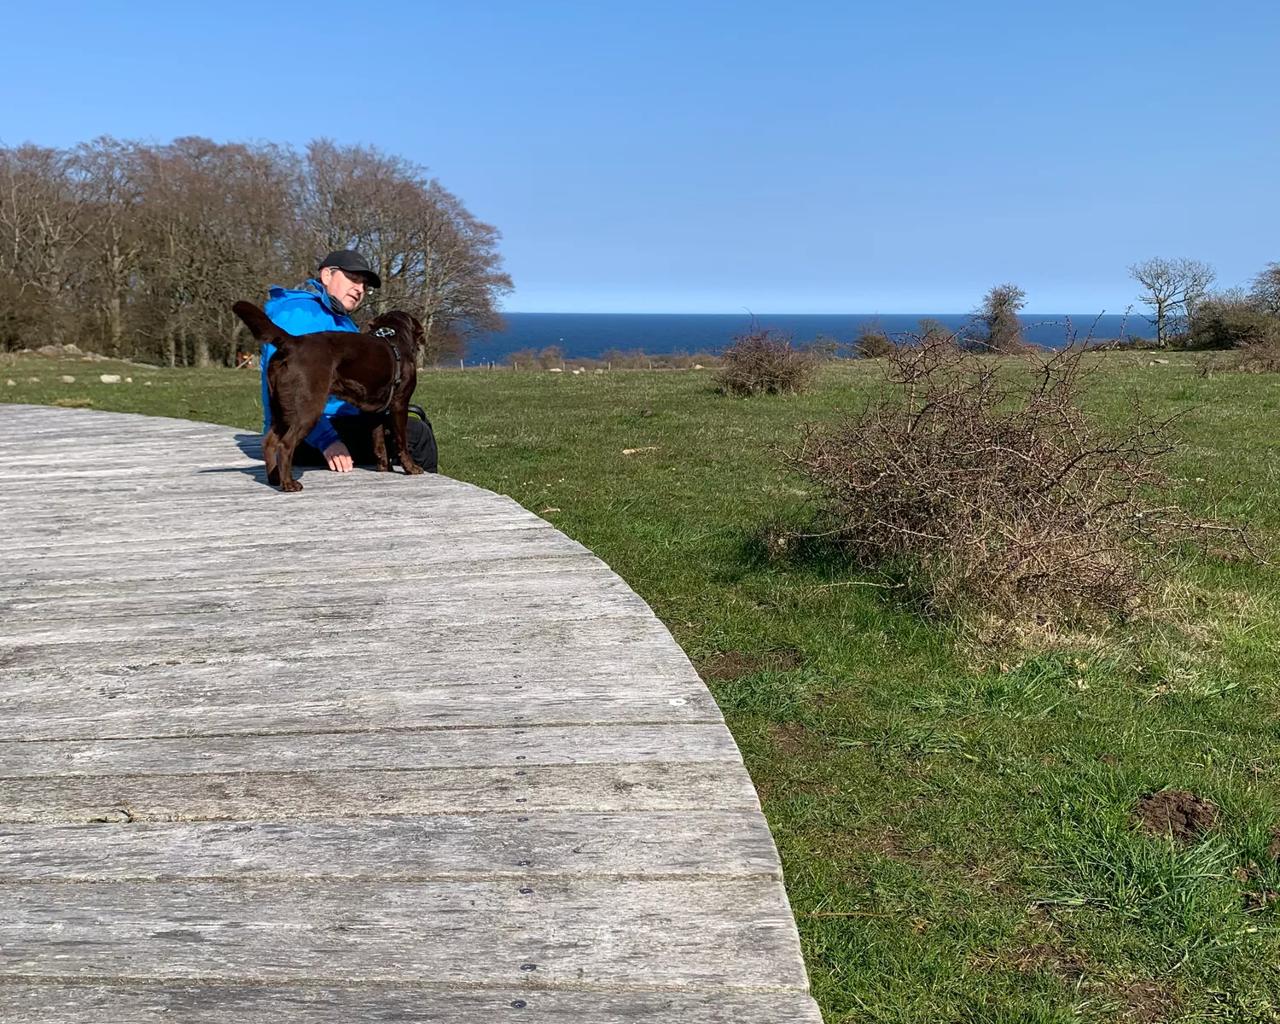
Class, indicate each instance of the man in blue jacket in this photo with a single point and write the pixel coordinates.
(342, 436)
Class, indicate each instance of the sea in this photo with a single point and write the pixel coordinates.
(592, 335)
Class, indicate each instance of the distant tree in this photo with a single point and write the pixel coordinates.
(139, 249)
(1232, 319)
(823, 348)
(44, 220)
(1265, 291)
(551, 357)
(996, 327)
(1172, 288)
(931, 329)
(110, 173)
(873, 341)
(437, 260)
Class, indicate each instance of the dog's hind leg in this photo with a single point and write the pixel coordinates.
(271, 454)
(284, 458)
(293, 416)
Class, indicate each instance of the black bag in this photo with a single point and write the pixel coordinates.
(426, 447)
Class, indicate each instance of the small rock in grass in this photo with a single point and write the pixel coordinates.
(556, 369)
(66, 378)
(11, 382)
(109, 378)
(146, 383)
(128, 380)
(33, 380)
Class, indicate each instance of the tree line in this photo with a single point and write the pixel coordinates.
(1185, 310)
(138, 250)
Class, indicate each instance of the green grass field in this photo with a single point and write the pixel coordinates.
(955, 826)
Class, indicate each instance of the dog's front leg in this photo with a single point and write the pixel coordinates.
(400, 424)
(380, 445)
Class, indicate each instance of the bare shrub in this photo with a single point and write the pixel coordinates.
(873, 342)
(764, 362)
(1253, 357)
(1233, 319)
(1258, 357)
(551, 357)
(986, 490)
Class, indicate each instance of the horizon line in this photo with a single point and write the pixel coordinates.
(627, 312)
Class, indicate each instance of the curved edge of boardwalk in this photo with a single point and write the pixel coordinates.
(390, 749)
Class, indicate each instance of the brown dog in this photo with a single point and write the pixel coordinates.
(376, 371)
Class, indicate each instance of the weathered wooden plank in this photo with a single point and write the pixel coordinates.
(194, 521)
(392, 493)
(568, 637)
(494, 600)
(73, 539)
(638, 657)
(58, 589)
(246, 514)
(90, 574)
(324, 708)
(388, 536)
(484, 747)
(349, 795)
(254, 1004)
(528, 581)
(651, 844)
(672, 934)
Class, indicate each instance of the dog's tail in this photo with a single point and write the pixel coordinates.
(259, 324)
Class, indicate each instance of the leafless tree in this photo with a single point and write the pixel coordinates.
(1172, 288)
(44, 221)
(138, 250)
(112, 186)
(1265, 290)
(436, 259)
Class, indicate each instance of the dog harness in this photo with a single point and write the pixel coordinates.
(389, 333)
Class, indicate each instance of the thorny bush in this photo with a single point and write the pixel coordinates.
(981, 485)
(765, 362)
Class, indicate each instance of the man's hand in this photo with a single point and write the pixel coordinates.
(339, 458)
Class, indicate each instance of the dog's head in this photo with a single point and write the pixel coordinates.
(407, 330)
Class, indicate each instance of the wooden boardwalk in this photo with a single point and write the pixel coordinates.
(392, 749)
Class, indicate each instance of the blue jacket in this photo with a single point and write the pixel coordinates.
(306, 310)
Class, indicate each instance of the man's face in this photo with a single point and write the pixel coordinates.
(347, 289)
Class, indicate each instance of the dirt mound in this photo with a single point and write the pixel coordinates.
(1146, 1002)
(1176, 812)
(728, 666)
(791, 739)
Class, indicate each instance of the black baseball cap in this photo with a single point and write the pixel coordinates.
(353, 263)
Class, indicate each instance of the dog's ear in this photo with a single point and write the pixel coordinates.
(259, 324)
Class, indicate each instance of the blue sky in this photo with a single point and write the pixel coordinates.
(891, 156)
